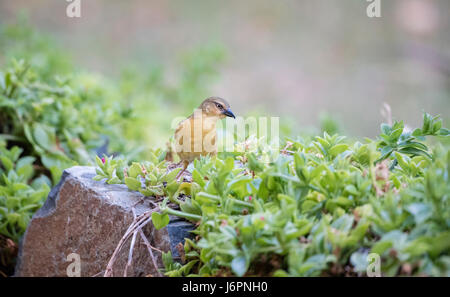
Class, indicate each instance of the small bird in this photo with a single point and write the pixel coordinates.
(196, 135)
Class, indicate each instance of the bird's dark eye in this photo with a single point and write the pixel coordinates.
(219, 106)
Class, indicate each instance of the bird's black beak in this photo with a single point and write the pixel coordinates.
(229, 113)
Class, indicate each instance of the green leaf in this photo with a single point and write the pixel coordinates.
(98, 178)
(196, 177)
(160, 220)
(28, 160)
(99, 162)
(135, 170)
(239, 265)
(191, 206)
(386, 129)
(414, 152)
(444, 132)
(351, 189)
(7, 163)
(417, 132)
(437, 126)
(420, 211)
(359, 261)
(169, 177)
(43, 136)
(172, 187)
(381, 246)
(114, 180)
(337, 149)
(132, 183)
(239, 183)
(385, 153)
(401, 161)
(396, 134)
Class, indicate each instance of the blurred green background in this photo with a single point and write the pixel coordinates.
(301, 60)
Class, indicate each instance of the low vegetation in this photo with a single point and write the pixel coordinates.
(313, 208)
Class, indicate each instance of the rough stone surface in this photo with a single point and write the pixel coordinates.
(89, 218)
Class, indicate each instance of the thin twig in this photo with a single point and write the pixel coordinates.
(156, 249)
(138, 223)
(137, 202)
(150, 251)
(97, 274)
(130, 252)
(109, 267)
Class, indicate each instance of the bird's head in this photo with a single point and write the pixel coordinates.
(216, 107)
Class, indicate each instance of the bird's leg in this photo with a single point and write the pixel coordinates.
(185, 165)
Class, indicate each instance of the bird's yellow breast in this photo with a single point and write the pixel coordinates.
(195, 137)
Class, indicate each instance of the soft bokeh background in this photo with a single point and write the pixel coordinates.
(293, 59)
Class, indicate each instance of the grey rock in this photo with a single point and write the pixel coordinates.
(89, 218)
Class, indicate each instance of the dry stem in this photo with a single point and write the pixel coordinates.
(136, 227)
